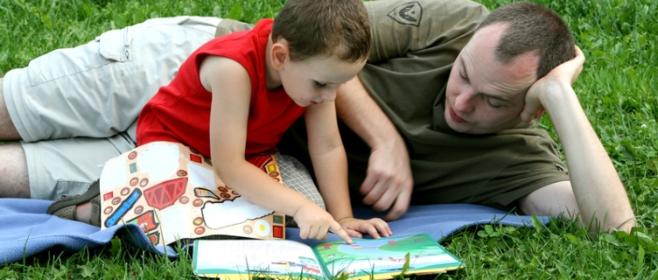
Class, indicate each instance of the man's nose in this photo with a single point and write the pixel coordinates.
(464, 101)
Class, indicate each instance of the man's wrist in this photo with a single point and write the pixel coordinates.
(555, 94)
(387, 142)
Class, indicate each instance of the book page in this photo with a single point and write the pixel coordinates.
(172, 193)
(383, 258)
(243, 259)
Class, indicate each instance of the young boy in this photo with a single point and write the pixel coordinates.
(235, 96)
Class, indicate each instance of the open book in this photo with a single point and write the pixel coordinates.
(382, 258)
(173, 194)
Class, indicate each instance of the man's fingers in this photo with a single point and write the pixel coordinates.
(580, 60)
(338, 230)
(539, 112)
(579, 53)
(375, 193)
(400, 207)
(387, 199)
(531, 108)
(368, 183)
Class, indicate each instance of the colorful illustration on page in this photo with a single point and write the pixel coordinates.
(172, 194)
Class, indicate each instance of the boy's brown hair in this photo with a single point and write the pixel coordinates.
(532, 27)
(324, 27)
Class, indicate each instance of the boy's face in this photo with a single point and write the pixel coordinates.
(315, 80)
(484, 95)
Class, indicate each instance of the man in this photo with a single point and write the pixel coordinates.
(429, 136)
(466, 124)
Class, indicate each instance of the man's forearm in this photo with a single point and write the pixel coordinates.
(359, 111)
(388, 184)
(600, 194)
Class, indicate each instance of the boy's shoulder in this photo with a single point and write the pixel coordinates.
(244, 49)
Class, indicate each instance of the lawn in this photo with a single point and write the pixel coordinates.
(617, 90)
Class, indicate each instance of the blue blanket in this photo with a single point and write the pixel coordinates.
(26, 229)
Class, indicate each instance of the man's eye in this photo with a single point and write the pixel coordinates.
(461, 75)
(319, 84)
(494, 103)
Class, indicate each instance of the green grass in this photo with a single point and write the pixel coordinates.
(617, 89)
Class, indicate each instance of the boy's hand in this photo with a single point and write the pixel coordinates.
(374, 227)
(314, 222)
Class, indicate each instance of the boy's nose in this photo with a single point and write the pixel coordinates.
(329, 95)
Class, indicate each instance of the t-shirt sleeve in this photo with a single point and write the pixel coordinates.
(534, 163)
(495, 170)
(404, 28)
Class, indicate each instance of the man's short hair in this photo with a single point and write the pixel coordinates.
(329, 27)
(532, 27)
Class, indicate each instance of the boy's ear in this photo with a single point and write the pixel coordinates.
(280, 53)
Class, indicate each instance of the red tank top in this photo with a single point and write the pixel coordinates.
(180, 111)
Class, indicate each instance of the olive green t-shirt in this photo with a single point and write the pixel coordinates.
(415, 43)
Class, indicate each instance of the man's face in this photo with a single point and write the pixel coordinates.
(484, 95)
(315, 80)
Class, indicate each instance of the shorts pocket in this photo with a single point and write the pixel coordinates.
(115, 45)
(110, 47)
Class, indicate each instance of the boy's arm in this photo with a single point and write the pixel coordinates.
(330, 167)
(600, 194)
(230, 86)
(389, 182)
(328, 158)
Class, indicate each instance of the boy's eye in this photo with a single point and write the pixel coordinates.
(319, 84)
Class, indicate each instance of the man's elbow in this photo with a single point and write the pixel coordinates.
(622, 223)
(611, 223)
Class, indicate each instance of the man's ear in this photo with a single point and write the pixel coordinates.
(279, 53)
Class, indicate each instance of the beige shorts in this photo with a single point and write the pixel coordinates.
(92, 92)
